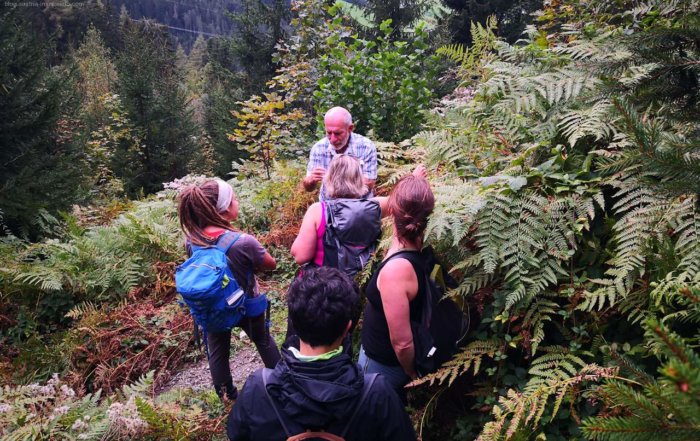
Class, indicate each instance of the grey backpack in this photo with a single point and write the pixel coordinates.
(353, 228)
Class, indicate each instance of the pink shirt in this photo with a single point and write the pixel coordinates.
(320, 231)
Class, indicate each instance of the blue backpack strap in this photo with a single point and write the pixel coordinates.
(225, 243)
(226, 240)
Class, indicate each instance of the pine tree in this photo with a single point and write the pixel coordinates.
(40, 167)
(401, 13)
(180, 58)
(153, 96)
(647, 409)
(224, 89)
(194, 66)
(259, 27)
(98, 76)
(123, 17)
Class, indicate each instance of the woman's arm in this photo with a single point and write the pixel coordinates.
(398, 285)
(383, 202)
(304, 246)
(268, 263)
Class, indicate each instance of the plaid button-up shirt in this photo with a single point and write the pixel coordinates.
(358, 147)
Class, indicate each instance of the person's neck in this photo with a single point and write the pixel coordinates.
(213, 232)
(310, 351)
(398, 245)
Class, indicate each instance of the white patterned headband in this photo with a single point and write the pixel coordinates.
(225, 196)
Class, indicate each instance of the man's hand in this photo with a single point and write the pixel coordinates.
(315, 177)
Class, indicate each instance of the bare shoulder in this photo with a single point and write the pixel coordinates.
(314, 208)
(397, 270)
(313, 213)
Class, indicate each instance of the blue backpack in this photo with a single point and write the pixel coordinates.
(207, 285)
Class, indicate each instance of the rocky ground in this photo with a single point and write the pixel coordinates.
(243, 362)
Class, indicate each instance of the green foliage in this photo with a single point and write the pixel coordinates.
(570, 212)
(54, 410)
(403, 16)
(468, 359)
(40, 162)
(514, 16)
(472, 59)
(44, 280)
(265, 129)
(385, 85)
(151, 92)
(554, 378)
(299, 57)
(667, 407)
(223, 90)
(259, 27)
(35, 412)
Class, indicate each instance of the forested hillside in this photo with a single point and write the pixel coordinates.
(565, 164)
(185, 20)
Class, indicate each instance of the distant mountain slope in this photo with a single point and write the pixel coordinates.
(185, 18)
(188, 18)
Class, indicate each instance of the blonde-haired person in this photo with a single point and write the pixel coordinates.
(344, 180)
(206, 212)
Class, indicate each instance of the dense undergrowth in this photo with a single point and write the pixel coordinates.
(565, 168)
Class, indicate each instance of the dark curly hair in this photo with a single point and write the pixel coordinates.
(321, 302)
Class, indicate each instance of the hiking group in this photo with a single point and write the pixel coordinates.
(313, 388)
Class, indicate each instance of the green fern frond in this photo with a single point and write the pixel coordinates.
(471, 59)
(520, 410)
(539, 312)
(593, 121)
(143, 387)
(81, 310)
(468, 358)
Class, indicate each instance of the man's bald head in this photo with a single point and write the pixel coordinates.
(338, 122)
(338, 115)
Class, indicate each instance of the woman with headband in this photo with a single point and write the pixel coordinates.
(205, 213)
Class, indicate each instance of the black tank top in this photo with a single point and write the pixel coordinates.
(375, 331)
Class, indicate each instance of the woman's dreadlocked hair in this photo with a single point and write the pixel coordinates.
(197, 210)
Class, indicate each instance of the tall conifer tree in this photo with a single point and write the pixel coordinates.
(40, 167)
(155, 99)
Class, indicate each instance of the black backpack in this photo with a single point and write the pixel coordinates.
(320, 433)
(353, 227)
(443, 325)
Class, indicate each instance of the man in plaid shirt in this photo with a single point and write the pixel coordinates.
(340, 140)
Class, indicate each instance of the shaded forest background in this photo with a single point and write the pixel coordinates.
(562, 144)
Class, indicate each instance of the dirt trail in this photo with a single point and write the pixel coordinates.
(196, 375)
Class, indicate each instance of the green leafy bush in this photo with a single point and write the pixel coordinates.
(385, 84)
